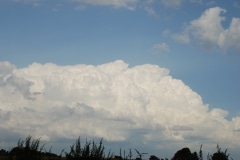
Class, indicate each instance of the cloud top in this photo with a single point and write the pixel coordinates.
(112, 101)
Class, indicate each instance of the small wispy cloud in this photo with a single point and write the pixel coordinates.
(129, 4)
(172, 3)
(80, 8)
(236, 4)
(196, 1)
(161, 47)
(210, 3)
(150, 11)
(35, 3)
(182, 38)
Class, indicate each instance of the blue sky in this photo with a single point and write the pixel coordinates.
(198, 41)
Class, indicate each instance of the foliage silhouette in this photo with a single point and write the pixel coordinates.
(152, 157)
(125, 156)
(219, 155)
(90, 151)
(30, 149)
(200, 156)
(3, 154)
(185, 154)
(27, 149)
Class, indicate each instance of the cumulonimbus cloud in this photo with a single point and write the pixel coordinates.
(113, 101)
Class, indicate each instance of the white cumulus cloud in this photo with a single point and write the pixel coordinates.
(113, 101)
(209, 31)
(208, 28)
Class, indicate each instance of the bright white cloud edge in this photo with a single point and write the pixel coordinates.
(143, 103)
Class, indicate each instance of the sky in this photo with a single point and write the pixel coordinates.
(155, 75)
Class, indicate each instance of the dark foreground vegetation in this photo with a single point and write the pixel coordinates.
(30, 149)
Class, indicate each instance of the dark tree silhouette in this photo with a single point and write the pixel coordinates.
(185, 154)
(27, 149)
(152, 157)
(3, 154)
(220, 155)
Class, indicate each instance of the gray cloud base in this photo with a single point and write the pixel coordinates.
(121, 104)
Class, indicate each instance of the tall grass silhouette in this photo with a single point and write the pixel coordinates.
(30, 149)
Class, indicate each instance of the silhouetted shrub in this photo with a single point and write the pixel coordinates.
(27, 149)
(152, 157)
(3, 154)
(219, 155)
(185, 154)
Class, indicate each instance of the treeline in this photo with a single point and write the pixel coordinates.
(30, 149)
